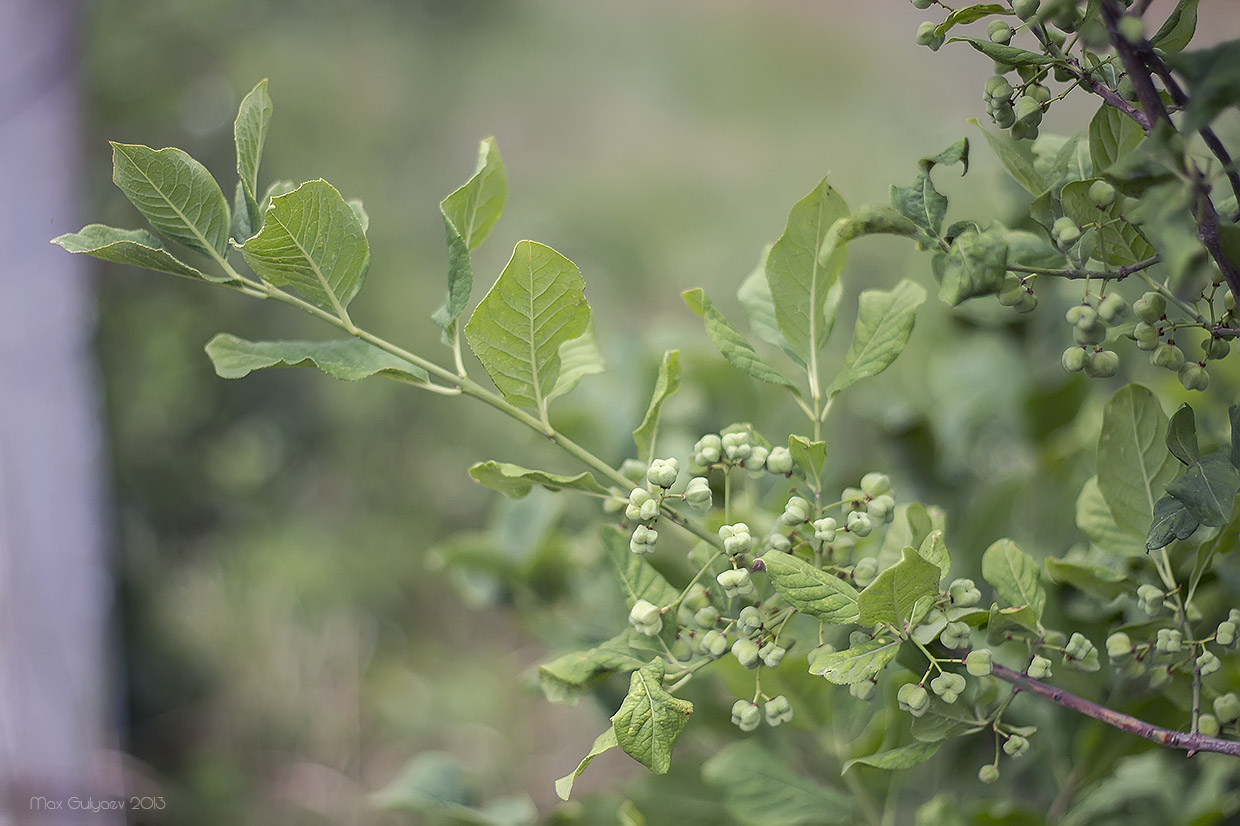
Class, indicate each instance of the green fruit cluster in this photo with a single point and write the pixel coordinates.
(1089, 330)
(914, 699)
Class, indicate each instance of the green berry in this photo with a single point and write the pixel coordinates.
(779, 461)
(1193, 376)
(859, 524)
(875, 484)
(978, 662)
(1225, 635)
(1101, 193)
(824, 529)
(927, 37)
(1073, 359)
(746, 653)
(735, 582)
(1028, 110)
(1039, 667)
(1150, 307)
(1208, 663)
(779, 543)
(746, 715)
(1169, 641)
(772, 655)
(708, 450)
(999, 32)
(1216, 348)
(663, 472)
(749, 621)
(706, 617)
(1168, 356)
(948, 686)
(1103, 365)
(643, 540)
(736, 538)
(914, 699)
(796, 512)
(865, 571)
(990, 773)
(863, 690)
(1113, 308)
(697, 494)
(1119, 646)
(964, 593)
(713, 644)
(955, 635)
(1227, 707)
(1208, 725)
(736, 446)
(778, 710)
(922, 4)
(1025, 10)
(1015, 746)
(645, 617)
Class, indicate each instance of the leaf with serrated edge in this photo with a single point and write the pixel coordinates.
(731, 344)
(604, 742)
(579, 357)
(665, 384)
(1014, 575)
(758, 787)
(638, 577)
(650, 719)
(347, 359)
(249, 135)
(136, 247)
(1134, 465)
(176, 194)
(515, 481)
(810, 590)
(516, 331)
(313, 242)
(903, 757)
(884, 323)
(800, 272)
(891, 596)
(860, 662)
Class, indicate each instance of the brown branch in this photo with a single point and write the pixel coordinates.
(1147, 94)
(1192, 743)
(1117, 274)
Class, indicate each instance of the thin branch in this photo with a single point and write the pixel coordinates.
(1147, 94)
(1118, 274)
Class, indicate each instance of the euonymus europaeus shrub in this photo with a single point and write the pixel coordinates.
(748, 557)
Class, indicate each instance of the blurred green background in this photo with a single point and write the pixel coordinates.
(290, 641)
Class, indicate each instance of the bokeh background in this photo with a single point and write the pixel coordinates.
(308, 601)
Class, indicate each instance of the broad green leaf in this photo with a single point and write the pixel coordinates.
(359, 209)
(759, 789)
(1112, 135)
(891, 596)
(469, 214)
(313, 242)
(969, 14)
(957, 153)
(249, 135)
(809, 456)
(638, 577)
(604, 742)
(1133, 463)
(1213, 79)
(1095, 520)
(800, 271)
(875, 219)
(566, 678)
(1017, 159)
(933, 549)
(1001, 623)
(515, 481)
(243, 225)
(921, 204)
(903, 757)
(1118, 242)
(136, 247)
(579, 357)
(860, 662)
(884, 323)
(1011, 55)
(755, 298)
(175, 193)
(731, 344)
(348, 359)
(650, 719)
(1177, 30)
(537, 303)
(665, 384)
(943, 721)
(1100, 583)
(810, 590)
(1014, 575)
(975, 265)
(1171, 521)
(1182, 436)
(1208, 488)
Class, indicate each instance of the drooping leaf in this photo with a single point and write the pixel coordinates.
(968, 14)
(1014, 575)
(313, 242)
(1171, 521)
(1000, 53)
(1177, 30)
(348, 359)
(515, 481)
(1100, 583)
(891, 596)
(1112, 135)
(759, 789)
(810, 590)
(902, 757)
(567, 678)
(1095, 520)
(1182, 436)
(249, 135)
(638, 577)
(1017, 159)
(175, 193)
(665, 384)
(922, 204)
(469, 214)
(731, 344)
(1208, 488)
(875, 219)
(516, 331)
(800, 272)
(1134, 465)
(884, 323)
(650, 719)
(1003, 622)
(859, 662)
(136, 247)
(604, 742)
(975, 265)
(579, 357)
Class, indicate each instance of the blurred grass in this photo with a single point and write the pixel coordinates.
(289, 648)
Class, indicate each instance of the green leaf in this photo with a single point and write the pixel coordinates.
(809, 456)
(1133, 463)
(1100, 583)
(875, 219)
(665, 384)
(176, 194)
(136, 247)
(1171, 521)
(800, 271)
(884, 323)
(932, 549)
(469, 214)
(348, 359)
(1213, 79)
(1095, 520)
(568, 677)
(650, 719)
(604, 742)
(537, 303)
(579, 357)
(1112, 135)
(1011, 55)
(1003, 621)
(359, 210)
(755, 298)
(860, 662)
(969, 14)
(1177, 30)
(731, 344)
(903, 757)
(759, 789)
(638, 577)
(975, 265)
(891, 596)
(943, 721)
(1182, 436)
(515, 481)
(922, 204)
(1118, 242)
(810, 590)
(313, 242)
(249, 135)
(1014, 575)
(1208, 488)
(1017, 159)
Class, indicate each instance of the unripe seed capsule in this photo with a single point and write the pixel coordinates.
(1101, 193)
(778, 710)
(999, 32)
(1103, 365)
(746, 715)
(663, 472)
(796, 512)
(1113, 308)
(1225, 635)
(1208, 725)
(1169, 641)
(978, 662)
(1119, 646)
(859, 524)
(1039, 667)
(913, 698)
(964, 593)
(1208, 663)
(990, 773)
(1193, 376)
(1167, 356)
(1227, 707)
(1150, 307)
(875, 484)
(779, 461)
(1025, 9)
(863, 690)
(1073, 359)
(697, 494)
(922, 4)
(1015, 746)
(865, 570)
